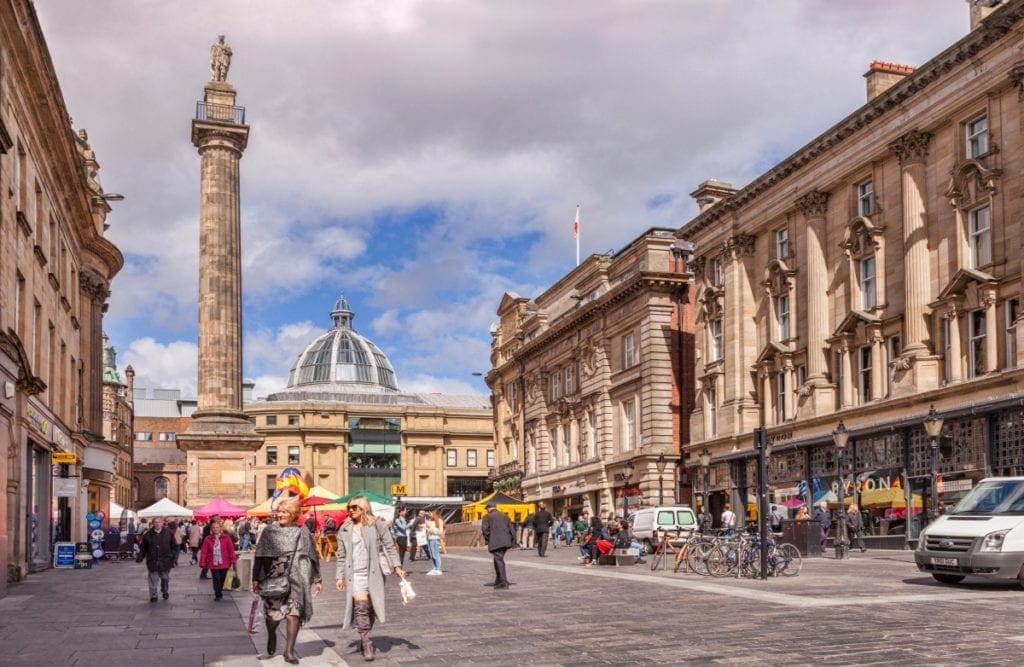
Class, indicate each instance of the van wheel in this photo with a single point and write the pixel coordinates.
(648, 547)
(948, 578)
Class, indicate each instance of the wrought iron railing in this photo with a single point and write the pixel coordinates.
(220, 113)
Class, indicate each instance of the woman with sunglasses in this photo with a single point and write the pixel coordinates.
(366, 553)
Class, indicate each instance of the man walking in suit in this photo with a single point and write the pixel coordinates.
(542, 522)
(500, 537)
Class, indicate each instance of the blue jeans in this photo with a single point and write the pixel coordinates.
(245, 542)
(435, 553)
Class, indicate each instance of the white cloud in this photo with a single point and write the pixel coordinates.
(387, 323)
(270, 353)
(171, 365)
(431, 384)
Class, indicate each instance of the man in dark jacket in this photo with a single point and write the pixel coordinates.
(500, 537)
(824, 519)
(542, 522)
(158, 549)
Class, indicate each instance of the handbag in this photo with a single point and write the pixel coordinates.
(236, 581)
(229, 578)
(276, 585)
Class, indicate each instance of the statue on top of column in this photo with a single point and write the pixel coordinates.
(220, 60)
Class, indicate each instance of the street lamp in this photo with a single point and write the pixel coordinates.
(840, 436)
(627, 472)
(661, 471)
(933, 426)
(705, 464)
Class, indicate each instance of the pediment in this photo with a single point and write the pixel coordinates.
(970, 182)
(854, 319)
(772, 350)
(963, 279)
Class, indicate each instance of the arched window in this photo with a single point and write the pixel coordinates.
(161, 487)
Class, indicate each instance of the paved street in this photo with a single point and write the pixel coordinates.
(872, 609)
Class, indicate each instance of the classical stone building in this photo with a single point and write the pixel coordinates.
(586, 381)
(108, 464)
(344, 422)
(873, 273)
(55, 271)
(160, 470)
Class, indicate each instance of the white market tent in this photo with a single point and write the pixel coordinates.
(116, 511)
(165, 507)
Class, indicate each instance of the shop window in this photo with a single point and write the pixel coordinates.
(293, 455)
(471, 458)
(976, 135)
(271, 455)
(865, 198)
(271, 420)
(980, 236)
(976, 342)
(453, 458)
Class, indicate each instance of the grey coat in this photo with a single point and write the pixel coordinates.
(344, 567)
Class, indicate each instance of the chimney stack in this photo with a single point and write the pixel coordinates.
(712, 191)
(881, 76)
(980, 9)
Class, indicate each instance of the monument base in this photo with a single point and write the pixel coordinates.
(220, 451)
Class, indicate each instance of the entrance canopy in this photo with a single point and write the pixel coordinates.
(505, 504)
(165, 507)
(220, 507)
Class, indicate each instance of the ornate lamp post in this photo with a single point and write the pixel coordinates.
(933, 425)
(705, 465)
(627, 472)
(661, 471)
(840, 436)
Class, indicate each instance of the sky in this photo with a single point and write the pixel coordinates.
(425, 157)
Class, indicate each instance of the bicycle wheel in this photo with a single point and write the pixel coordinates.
(788, 560)
(752, 563)
(696, 556)
(659, 554)
(681, 558)
(718, 562)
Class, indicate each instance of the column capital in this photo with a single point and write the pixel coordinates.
(93, 286)
(911, 147)
(814, 204)
(739, 245)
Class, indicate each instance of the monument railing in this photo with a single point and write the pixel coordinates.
(220, 113)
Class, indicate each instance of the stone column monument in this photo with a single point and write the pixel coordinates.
(220, 441)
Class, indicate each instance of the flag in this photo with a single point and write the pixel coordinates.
(291, 479)
(576, 224)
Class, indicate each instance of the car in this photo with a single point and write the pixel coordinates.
(647, 524)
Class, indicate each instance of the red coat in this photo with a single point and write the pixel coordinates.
(227, 553)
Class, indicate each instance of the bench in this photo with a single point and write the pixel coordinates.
(618, 557)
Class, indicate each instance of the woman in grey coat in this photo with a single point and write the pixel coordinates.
(365, 546)
(274, 555)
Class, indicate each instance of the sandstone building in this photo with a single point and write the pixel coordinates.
(108, 466)
(875, 272)
(591, 382)
(160, 467)
(55, 271)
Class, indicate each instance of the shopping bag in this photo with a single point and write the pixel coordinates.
(229, 579)
(236, 581)
(254, 612)
(405, 588)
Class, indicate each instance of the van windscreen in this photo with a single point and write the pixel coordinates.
(995, 496)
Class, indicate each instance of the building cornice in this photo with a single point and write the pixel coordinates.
(893, 100)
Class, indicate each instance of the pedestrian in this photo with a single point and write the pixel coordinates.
(175, 529)
(287, 548)
(528, 530)
(365, 547)
(802, 514)
(421, 536)
(218, 556)
(260, 524)
(330, 526)
(157, 548)
(413, 532)
(579, 527)
(203, 572)
(400, 531)
(499, 536)
(195, 540)
(855, 526)
(729, 520)
(244, 534)
(435, 531)
(542, 522)
(776, 517)
(824, 519)
(311, 524)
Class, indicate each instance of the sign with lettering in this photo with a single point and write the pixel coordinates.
(64, 457)
(64, 554)
(399, 490)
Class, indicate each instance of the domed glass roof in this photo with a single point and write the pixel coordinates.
(342, 360)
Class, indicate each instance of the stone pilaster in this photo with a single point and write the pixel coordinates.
(814, 206)
(919, 370)
(739, 413)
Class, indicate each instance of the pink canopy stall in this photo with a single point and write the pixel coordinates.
(220, 507)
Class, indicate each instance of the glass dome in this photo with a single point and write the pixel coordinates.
(342, 360)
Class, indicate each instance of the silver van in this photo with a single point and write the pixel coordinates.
(678, 520)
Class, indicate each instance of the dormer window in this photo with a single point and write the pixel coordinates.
(976, 135)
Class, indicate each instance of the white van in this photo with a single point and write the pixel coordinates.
(678, 520)
(983, 536)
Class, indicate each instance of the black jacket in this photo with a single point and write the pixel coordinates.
(158, 550)
(497, 530)
(542, 521)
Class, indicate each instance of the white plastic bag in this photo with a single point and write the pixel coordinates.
(408, 594)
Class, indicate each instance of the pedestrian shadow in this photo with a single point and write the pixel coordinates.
(383, 644)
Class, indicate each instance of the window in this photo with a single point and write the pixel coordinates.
(865, 198)
(628, 351)
(716, 339)
(271, 455)
(271, 485)
(892, 349)
(271, 420)
(781, 243)
(780, 397)
(867, 283)
(293, 455)
(980, 237)
(569, 380)
(144, 436)
(161, 487)
(556, 384)
(716, 272)
(1012, 308)
(947, 349)
(471, 458)
(864, 374)
(135, 489)
(567, 441)
(513, 396)
(840, 375)
(168, 437)
(782, 316)
(629, 425)
(293, 420)
(801, 375)
(453, 458)
(712, 419)
(977, 136)
(976, 342)
(490, 458)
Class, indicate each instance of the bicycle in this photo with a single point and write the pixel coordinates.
(693, 554)
(663, 546)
